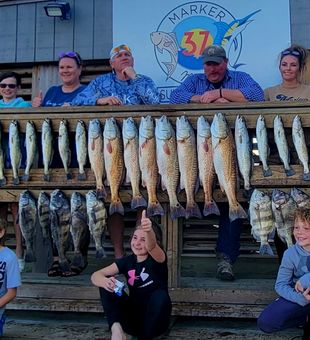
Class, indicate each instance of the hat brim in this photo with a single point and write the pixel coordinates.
(217, 60)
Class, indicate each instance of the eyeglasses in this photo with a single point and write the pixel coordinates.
(10, 86)
(73, 55)
(291, 52)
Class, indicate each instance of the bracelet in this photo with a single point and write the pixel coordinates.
(221, 96)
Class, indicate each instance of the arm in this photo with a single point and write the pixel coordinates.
(150, 240)
(284, 285)
(187, 92)
(8, 296)
(104, 277)
(146, 89)
(246, 89)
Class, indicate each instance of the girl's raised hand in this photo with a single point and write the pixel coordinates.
(146, 223)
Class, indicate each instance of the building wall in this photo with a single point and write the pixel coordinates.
(28, 35)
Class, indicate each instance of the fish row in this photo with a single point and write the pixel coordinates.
(59, 217)
(275, 213)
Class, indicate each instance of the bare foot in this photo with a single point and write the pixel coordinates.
(117, 332)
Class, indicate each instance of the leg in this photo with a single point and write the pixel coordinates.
(282, 314)
(116, 231)
(157, 314)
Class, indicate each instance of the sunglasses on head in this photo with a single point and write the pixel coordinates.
(73, 55)
(291, 52)
(121, 48)
(10, 86)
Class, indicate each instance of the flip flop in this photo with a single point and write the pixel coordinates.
(54, 270)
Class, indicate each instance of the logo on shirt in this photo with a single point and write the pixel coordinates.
(133, 277)
(188, 29)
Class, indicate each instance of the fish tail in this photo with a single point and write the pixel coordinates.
(46, 177)
(2, 182)
(26, 177)
(305, 177)
(82, 176)
(29, 256)
(267, 172)
(192, 210)
(155, 209)
(69, 175)
(211, 208)
(100, 253)
(16, 180)
(101, 193)
(177, 211)
(289, 172)
(138, 201)
(116, 207)
(265, 249)
(237, 212)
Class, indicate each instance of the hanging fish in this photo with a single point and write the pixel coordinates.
(81, 148)
(31, 148)
(64, 147)
(15, 151)
(301, 198)
(47, 147)
(2, 177)
(44, 215)
(262, 145)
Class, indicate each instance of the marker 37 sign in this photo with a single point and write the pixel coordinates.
(188, 29)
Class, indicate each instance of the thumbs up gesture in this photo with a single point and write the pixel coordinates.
(37, 100)
(146, 223)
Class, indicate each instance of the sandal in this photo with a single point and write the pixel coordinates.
(68, 273)
(54, 270)
(78, 269)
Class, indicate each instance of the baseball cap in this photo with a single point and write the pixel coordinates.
(214, 53)
(118, 49)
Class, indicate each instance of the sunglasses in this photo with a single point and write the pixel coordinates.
(10, 86)
(121, 48)
(289, 52)
(73, 55)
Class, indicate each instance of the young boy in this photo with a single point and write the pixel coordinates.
(9, 275)
(292, 308)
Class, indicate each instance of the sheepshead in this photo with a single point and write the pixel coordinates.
(97, 215)
(283, 206)
(281, 142)
(301, 198)
(244, 151)
(95, 154)
(224, 159)
(148, 164)
(2, 177)
(79, 228)
(114, 163)
(261, 220)
(262, 145)
(60, 226)
(27, 213)
(167, 161)
(300, 146)
(47, 147)
(64, 147)
(31, 148)
(81, 148)
(205, 165)
(44, 215)
(188, 164)
(131, 159)
(15, 151)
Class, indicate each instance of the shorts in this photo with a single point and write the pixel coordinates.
(2, 322)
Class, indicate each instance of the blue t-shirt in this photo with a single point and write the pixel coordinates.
(17, 102)
(56, 97)
(9, 272)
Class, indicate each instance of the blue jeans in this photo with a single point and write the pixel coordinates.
(228, 241)
(2, 322)
(282, 314)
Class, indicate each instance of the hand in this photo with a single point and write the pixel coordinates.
(221, 100)
(210, 96)
(37, 100)
(109, 101)
(129, 72)
(306, 294)
(298, 287)
(109, 284)
(146, 223)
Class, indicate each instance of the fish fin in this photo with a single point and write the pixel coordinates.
(68, 175)
(109, 147)
(177, 211)
(82, 176)
(100, 253)
(267, 173)
(289, 172)
(29, 256)
(16, 180)
(116, 207)
(101, 193)
(155, 209)
(26, 177)
(2, 182)
(265, 249)
(192, 210)
(138, 201)
(166, 149)
(305, 177)
(46, 177)
(211, 208)
(237, 212)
